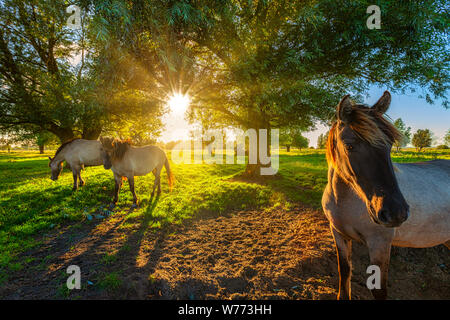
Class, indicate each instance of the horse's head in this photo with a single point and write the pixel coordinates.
(106, 150)
(57, 168)
(359, 146)
(114, 150)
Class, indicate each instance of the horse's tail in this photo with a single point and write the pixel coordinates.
(170, 176)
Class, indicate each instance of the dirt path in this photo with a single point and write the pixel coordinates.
(246, 255)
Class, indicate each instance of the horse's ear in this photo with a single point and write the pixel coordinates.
(50, 158)
(344, 109)
(383, 103)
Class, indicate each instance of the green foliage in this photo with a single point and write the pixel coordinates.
(422, 139)
(39, 86)
(111, 281)
(300, 141)
(406, 134)
(293, 137)
(44, 90)
(247, 64)
(271, 64)
(447, 138)
(322, 140)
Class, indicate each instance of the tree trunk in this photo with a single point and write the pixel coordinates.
(288, 148)
(254, 170)
(41, 149)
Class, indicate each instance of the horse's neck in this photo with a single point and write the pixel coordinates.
(334, 178)
(61, 155)
(339, 187)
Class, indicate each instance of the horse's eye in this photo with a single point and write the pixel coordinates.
(349, 146)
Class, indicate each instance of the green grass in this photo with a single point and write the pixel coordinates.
(32, 205)
(111, 281)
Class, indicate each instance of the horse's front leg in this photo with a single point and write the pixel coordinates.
(75, 172)
(380, 254)
(344, 257)
(135, 199)
(118, 185)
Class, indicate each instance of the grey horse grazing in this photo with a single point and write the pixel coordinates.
(373, 201)
(78, 153)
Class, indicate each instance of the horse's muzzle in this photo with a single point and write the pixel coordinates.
(393, 219)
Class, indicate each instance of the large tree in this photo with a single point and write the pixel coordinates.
(38, 87)
(44, 89)
(422, 139)
(270, 64)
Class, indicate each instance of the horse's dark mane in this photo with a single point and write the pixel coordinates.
(62, 147)
(119, 148)
(369, 125)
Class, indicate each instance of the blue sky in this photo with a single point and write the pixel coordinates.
(415, 112)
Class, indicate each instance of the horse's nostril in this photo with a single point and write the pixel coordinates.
(383, 216)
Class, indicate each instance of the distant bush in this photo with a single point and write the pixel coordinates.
(442, 146)
(422, 139)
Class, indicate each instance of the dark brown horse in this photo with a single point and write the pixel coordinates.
(128, 161)
(373, 201)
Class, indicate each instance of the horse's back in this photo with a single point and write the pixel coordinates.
(425, 181)
(426, 188)
(152, 153)
(84, 152)
(142, 160)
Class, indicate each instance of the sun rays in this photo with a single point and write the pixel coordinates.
(178, 103)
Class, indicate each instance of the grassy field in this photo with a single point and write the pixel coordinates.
(31, 204)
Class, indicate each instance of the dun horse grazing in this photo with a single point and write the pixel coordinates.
(78, 153)
(371, 200)
(129, 161)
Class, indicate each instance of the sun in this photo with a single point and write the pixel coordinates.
(178, 103)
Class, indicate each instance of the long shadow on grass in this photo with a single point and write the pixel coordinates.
(40, 281)
(126, 256)
(131, 247)
(96, 245)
